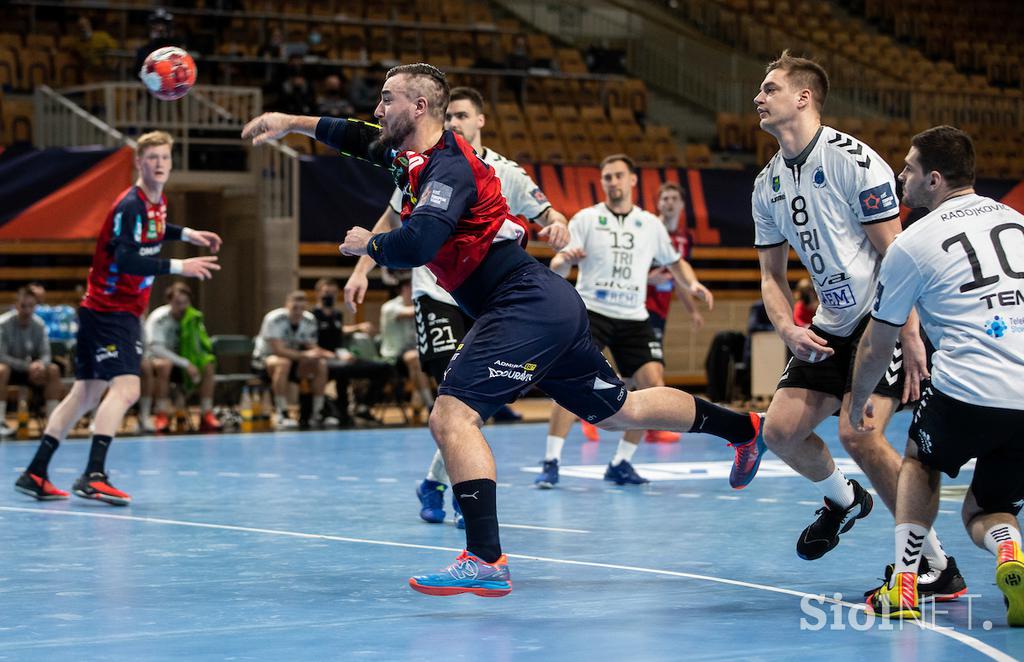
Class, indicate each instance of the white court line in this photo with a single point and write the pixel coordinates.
(351, 478)
(967, 640)
(264, 475)
(188, 473)
(541, 528)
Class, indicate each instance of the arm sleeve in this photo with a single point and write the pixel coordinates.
(354, 138)
(899, 285)
(446, 195)
(173, 232)
(872, 190)
(766, 230)
(126, 242)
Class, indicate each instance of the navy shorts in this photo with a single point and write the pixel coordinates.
(534, 332)
(108, 345)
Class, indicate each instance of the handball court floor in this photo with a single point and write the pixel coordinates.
(299, 546)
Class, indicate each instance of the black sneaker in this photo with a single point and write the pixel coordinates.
(97, 486)
(940, 586)
(823, 534)
(38, 487)
(623, 473)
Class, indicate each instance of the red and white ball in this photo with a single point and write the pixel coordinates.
(168, 73)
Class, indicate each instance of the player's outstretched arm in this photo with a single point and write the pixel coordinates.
(556, 229)
(274, 126)
(686, 278)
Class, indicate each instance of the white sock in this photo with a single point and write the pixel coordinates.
(437, 471)
(205, 404)
(1000, 533)
(318, 406)
(281, 402)
(554, 450)
(837, 489)
(3, 410)
(50, 406)
(624, 453)
(909, 543)
(933, 551)
(427, 395)
(145, 406)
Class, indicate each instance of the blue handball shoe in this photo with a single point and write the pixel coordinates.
(623, 473)
(431, 494)
(468, 574)
(548, 477)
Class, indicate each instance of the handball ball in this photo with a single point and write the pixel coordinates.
(168, 73)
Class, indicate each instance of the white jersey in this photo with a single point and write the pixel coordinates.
(276, 325)
(163, 336)
(612, 278)
(818, 202)
(962, 265)
(397, 334)
(523, 196)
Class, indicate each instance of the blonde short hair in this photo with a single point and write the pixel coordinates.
(152, 139)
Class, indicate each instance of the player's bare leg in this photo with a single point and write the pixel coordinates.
(481, 569)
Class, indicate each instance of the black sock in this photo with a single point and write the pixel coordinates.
(98, 454)
(721, 422)
(480, 508)
(41, 462)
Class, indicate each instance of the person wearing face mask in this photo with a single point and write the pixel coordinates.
(331, 336)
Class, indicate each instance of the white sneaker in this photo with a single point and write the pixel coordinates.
(330, 421)
(146, 424)
(6, 430)
(283, 422)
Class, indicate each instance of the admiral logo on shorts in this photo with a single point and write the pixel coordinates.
(514, 371)
(106, 352)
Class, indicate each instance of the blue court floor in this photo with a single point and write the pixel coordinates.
(298, 547)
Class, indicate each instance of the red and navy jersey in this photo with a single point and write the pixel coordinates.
(124, 263)
(450, 184)
(659, 298)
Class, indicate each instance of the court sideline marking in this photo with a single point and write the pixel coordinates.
(967, 640)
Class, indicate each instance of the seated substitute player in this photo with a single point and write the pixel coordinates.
(398, 338)
(531, 327)
(164, 341)
(109, 340)
(286, 351)
(25, 355)
(833, 200)
(442, 322)
(961, 265)
(615, 243)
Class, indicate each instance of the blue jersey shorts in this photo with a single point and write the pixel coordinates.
(534, 331)
(108, 345)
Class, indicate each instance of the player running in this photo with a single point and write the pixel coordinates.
(833, 200)
(531, 327)
(615, 243)
(440, 323)
(961, 266)
(108, 346)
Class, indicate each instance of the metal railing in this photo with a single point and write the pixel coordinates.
(60, 122)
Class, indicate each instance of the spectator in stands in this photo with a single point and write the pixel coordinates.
(331, 334)
(181, 353)
(398, 338)
(25, 355)
(332, 101)
(161, 33)
(93, 47)
(364, 91)
(295, 95)
(519, 56)
(286, 351)
(806, 303)
(273, 48)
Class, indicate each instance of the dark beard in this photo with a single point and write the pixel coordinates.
(397, 133)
